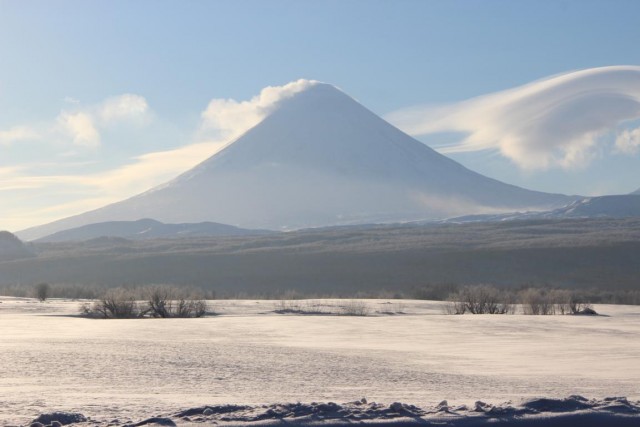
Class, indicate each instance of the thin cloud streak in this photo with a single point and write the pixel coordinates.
(17, 134)
(91, 191)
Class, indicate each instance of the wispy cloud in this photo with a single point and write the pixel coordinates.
(151, 169)
(80, 127)
(628, 141)
(558, 121)
(228, 118)
(127, 107)
(16, 134)
(83, 124)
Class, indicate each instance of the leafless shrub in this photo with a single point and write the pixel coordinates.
(42, 291)
(117, 304)
(86, 309)
(166, 301)
(399, 308)
(454, 306)
(390, 308)
(561, 299)
(537, 302)
(578, 303)
(355, 308)
(160, 302)
(286, 306)
(481, 299)
(299, 307)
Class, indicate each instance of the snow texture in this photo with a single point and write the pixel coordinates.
(246, 363)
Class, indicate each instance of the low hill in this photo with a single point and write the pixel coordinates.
(148, 229)
(12, 248)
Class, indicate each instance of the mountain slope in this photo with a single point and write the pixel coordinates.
(637, 191)
(604, 206)
(619, 206)
(147, 229)
(12, 248)
(318, 159)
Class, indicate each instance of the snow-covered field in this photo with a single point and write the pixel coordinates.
(130, 370)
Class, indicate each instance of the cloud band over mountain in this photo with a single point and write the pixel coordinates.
(560, 121)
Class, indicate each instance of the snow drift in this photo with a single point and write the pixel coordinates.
(571, 411)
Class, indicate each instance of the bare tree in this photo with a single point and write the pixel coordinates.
(118, 304)
(166, 301)
(562, 300)
(355, 307)
(42, 291)
(578, 303)
(481, 299)
(537, 302)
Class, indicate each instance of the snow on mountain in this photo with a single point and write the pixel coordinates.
(147, 229)
(619, 206)
(637, 191)
(319, 158)
(604, 206)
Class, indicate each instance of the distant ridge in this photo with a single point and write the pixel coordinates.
(623, 206)
(637, 191)
(147, 229)
(12, 248)
(319, 158)
(619, 206)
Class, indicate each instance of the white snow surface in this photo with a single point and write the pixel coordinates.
(130, 370)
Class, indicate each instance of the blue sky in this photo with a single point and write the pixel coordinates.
(90, 89)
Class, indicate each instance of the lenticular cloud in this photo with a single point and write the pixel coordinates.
(558, 121)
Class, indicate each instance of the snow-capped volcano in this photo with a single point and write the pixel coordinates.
(318, 158)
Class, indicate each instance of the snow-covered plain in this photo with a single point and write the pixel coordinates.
(130, 370)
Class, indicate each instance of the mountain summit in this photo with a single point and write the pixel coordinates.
(319, 158)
